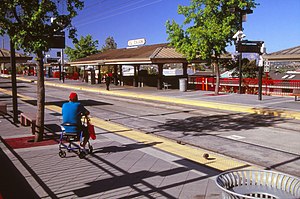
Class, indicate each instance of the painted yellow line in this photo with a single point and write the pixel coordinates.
(215, 161)
(8, 92)
(25, 79)
(53, 108)
(213, 105)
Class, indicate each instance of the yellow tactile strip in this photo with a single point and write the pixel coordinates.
(7, 92)
(215, 161)
(214, 105)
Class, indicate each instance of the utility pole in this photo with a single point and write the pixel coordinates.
(260, 70)
(240, 55)
(62, 72)
(14, 81)
(260, 74)
(242, 18)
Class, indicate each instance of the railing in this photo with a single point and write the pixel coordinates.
(249, 85)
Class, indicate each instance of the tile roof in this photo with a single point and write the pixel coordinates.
(151, 54)
(290, 54)
(166, 52)
(142, 52)
(157, 53)
(291, 75)
(6, 53)
(5, 56)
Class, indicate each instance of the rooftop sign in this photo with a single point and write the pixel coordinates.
(136, 42)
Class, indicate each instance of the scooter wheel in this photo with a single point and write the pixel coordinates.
(81, 155)
(62, 154)
(90, 149)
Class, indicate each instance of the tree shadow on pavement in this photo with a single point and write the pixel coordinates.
(4, 96)
(9, 86)
(127, 147)
(140, 183)
(219, 123)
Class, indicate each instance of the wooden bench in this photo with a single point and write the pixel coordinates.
(296, 93)
(166, 85)
(28, 119)
(3, 108)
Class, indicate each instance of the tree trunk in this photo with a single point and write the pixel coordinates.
(217, 72)
(40, 98)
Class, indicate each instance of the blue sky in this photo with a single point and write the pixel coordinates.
(274, 21)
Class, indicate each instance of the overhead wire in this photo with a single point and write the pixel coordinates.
(99, 18)
(105, 8)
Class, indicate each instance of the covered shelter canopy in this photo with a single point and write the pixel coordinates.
(286, 55)
(5, 57)
(157, 54)
(151, 54)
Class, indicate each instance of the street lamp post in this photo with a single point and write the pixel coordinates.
(239, 36)
(242, 15)
(260, 70)
(14, 80)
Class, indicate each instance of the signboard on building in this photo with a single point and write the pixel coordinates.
(136, 42)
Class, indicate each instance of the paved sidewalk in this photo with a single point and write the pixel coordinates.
(120, 167)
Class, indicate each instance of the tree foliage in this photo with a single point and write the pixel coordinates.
(29, 26)
(84, 47)
(28, 23)
(207, 29)
(249, 68)
(109, 44)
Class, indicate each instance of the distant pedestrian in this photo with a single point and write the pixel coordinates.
(107, 81)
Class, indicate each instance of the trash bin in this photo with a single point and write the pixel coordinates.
(183, 84)
(252, 184)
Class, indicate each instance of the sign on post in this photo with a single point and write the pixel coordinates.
(136, 42)
(250, 46)
(58, 40)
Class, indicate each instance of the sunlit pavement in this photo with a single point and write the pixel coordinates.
(120, 167)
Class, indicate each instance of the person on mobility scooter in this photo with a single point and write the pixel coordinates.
(72, 127)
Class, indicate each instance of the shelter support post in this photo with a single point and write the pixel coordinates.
(121, 75)
(115, 74)
(84, 78)
(99, 74)
(136, 77)
(160, 76)
(93, 74)
(184, 69)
